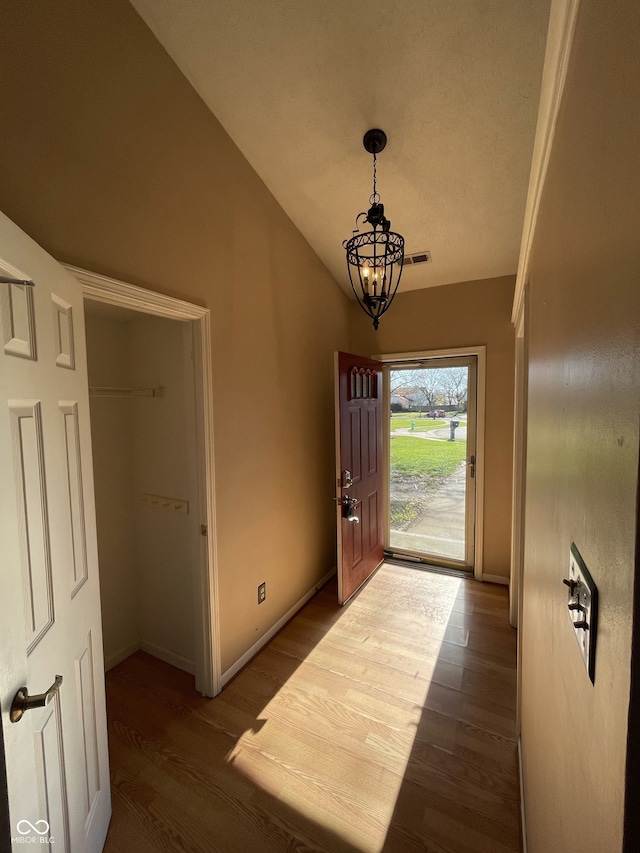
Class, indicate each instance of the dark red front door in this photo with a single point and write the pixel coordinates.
(359, 480)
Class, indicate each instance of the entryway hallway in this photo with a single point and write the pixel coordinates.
(387, 725)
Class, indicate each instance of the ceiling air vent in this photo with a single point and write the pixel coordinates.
(416, 258)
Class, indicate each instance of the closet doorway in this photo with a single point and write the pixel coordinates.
(149, 389)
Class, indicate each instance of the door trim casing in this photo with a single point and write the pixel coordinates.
(104, 289)
(480, 352)
(563, 16)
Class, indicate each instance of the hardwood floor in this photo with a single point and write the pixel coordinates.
(387, 725)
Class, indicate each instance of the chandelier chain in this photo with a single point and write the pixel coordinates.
(375, 198)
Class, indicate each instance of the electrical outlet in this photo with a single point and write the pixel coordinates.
(262, 592)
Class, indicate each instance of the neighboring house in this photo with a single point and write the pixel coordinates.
(110, 160)
(412, 399)
(399, 401)
(418, 400)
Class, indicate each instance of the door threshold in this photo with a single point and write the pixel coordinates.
(409, 563)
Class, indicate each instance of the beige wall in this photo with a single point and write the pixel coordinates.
(458, 315)
(108, 364)
(582, 464)
(113, 163)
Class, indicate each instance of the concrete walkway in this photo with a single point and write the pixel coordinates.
(440, 530)
(434, 434)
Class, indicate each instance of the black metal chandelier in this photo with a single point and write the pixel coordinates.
(374, 258)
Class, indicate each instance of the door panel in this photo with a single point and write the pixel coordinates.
(18, 321)
(80, 568)
(374, 528)
(50, 622)
(33, 518)
(51, 782)
(63, 332)
(354, 449)
(373, 441)
(86, 694)
(359, 452)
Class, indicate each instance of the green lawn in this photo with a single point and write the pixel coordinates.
(420, 424)
(415, 457)
(418, 467)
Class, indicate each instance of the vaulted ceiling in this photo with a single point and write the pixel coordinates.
(453, 83)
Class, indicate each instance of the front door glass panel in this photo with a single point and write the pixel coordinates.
(432, 427)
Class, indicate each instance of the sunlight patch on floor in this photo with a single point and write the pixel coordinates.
(338, 735)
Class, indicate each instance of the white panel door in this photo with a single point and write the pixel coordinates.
(50, 624)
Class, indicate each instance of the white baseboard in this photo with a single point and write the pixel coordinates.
(235, 668)
(168, 656)
(115, 659)
(522, 811)
(495, 579)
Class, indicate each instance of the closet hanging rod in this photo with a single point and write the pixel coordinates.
(126, 392)
(4, 279)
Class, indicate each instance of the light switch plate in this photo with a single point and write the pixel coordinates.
(582, 607)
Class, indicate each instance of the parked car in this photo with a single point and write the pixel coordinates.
(441, 413)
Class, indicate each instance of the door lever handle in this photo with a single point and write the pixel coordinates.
(349, 504)
(23, 702)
